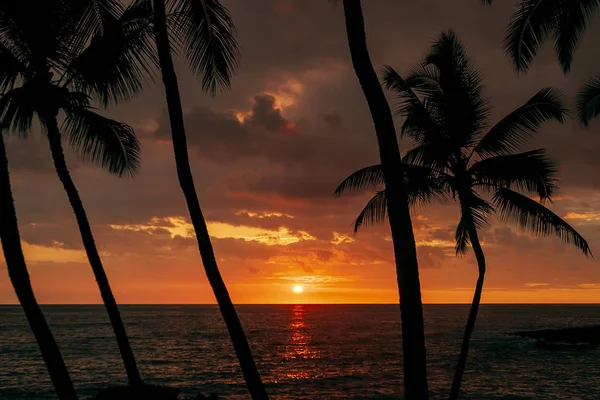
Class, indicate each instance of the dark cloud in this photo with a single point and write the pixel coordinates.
(267, 153)
(332, 119)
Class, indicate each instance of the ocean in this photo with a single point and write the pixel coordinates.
(304, 351)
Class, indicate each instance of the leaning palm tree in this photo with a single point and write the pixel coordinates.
(456, 157)
(411, 306)
(563, 22)
(56, 59)
(17, 271)
(203, 32)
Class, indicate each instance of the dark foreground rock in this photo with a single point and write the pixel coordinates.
(573, 335)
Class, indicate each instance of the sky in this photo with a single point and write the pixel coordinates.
(267, 156)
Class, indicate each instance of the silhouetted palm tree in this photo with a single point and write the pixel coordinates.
(413, 338)
(455, 157)
(53, 60)
(17, 271)
(563, 22)
(202, 31)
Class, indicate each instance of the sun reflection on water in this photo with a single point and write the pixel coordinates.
(300, 348)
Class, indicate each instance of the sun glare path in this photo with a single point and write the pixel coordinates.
(298, 289)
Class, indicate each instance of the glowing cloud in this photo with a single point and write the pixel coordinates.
(339, 239)
(436, 243)
(588, 216)
(263, 214)
(282, 236)
(178, 226)
(55, 253)
(285, 95)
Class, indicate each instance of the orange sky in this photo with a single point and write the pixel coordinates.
(268, 154)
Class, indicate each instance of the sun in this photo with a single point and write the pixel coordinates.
(298, 289)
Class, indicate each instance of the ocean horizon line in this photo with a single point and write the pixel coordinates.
(305, 304)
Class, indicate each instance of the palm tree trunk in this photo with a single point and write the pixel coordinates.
(411, 306)
(60, 164)
(17, 271)
(186, 181)
(464, 349)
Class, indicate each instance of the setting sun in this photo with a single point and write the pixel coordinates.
(298, 289)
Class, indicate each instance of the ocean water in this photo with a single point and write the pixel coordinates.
(304, 351)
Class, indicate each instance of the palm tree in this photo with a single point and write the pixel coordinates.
(564, 22)
(54, 60)
(456, 157)
(17, 271)
(204, 32)
(411, 306)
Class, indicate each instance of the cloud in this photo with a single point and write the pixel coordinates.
(55, 254)
(180, 227)
(587, 216)
(431, 256)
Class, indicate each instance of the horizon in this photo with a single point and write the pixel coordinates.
(308, 304)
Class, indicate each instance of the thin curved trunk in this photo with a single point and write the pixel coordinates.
(464, 349)
(54, 138)
(17, 271)
(411, 306)
(186, 181)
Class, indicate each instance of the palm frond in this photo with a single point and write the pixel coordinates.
(365, 178)
(521, 124)
(532, 217)
(205, 30)
(11, 69)
(435, 156)
(102, 141)
(422, 184)
(531, 171)
(464, 111)
(588, 101)
(17, 109)
(573, 17)
(41, 38)
(418, 122)
(93, 15)
(88, 18)
(12, 38)
(117, 61)
(420, 116)
(424, 79)
(375, 212)
(529, 27)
